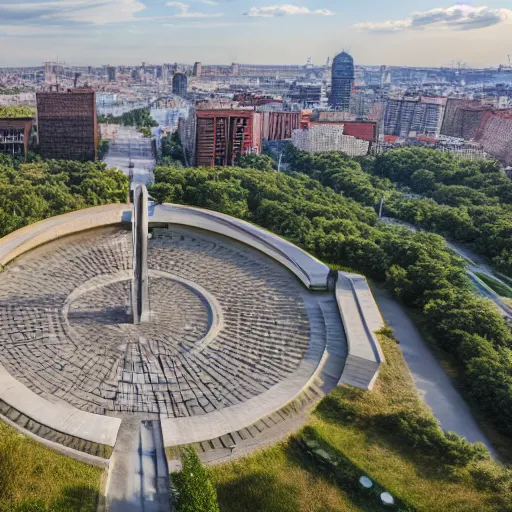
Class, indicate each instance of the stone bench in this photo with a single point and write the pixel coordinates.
(361, 319)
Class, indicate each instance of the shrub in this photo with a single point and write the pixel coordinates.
(423, 432)
(193, 487)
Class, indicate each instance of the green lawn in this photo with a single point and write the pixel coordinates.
(354, 426)
(500, 288)
(36, 479)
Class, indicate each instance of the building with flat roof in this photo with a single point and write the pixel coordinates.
(223, 136)
(413, 117)
(67, 124)
(15, 135)
(111, 73)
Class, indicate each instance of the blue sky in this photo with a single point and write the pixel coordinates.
(393, 32)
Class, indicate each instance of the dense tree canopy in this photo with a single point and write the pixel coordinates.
(140, 117)
(417, 267)
(172, 150)
(33, 191)
(468, 201)
(13, 112)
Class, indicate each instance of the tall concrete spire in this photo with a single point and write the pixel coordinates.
(140, 282)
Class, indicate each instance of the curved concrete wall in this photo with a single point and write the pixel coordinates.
(312, 272)
(59, 417)
(44, 231)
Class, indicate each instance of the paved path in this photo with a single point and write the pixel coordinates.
(131, 146)
(433, 384)
(139, 478)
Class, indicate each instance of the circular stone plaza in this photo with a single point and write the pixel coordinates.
(246, 332)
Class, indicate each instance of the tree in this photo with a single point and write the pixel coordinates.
(254, 161)
(193, 487)
(423, 181)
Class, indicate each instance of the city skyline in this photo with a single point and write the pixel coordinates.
(420, 33)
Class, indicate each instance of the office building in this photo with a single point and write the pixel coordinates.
(223, 136)
(111, 73)
(67, 124)
(179, 84)
(342, 81)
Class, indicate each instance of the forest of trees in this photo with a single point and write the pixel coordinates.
(33, 191)
(417, 267)
(467, 201)
(141, 118)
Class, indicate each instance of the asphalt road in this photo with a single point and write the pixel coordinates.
(131, 147)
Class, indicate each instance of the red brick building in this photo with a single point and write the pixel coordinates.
(223, 135)
(67, 124)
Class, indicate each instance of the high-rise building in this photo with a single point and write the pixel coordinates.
(225, 135)
(67, 124)
(198, 68)
(179, 84)
(342, 81)
(111, 73)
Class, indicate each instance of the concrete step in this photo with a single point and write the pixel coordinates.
(264, 432)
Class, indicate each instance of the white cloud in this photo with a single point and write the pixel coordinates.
(31, 30)
(458, 17)
(206, 24)
(271, 11)
(185, 11)
(86, 11)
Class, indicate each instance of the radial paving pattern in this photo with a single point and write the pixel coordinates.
(227, 323)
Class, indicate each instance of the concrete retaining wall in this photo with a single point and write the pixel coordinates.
(44, 231)
(361, 318)
(312, 272)
(59, 417)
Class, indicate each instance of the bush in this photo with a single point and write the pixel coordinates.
(192, 485)
(423, 432)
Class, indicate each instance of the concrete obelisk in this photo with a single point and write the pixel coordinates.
(140, 281)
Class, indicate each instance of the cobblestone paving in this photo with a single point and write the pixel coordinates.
(80, 347)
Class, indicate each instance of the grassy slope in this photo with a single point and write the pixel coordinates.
(499, 288)
(274, 480)
(46, 480)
